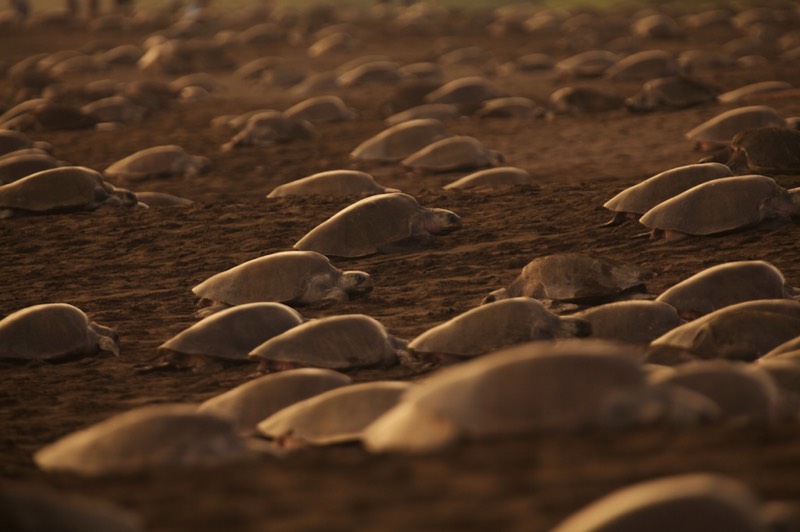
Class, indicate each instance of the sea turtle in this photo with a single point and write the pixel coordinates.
(381, 223)
(53, 331)
(399, 141)
(332, 184)
(29, 507)
(510, 107)
(573, 277)
(753, 89)
(253, 69)
(467, 93)
(158, 161)
(769, 151)
(335, 342)
(726, 284)
(269, 127)
(290, 277)
(372, 72)
(537, 386)
(670, 92)
(588, 64)
(144, 438)
(249, 403)
(115, 109)
(530, 63)
(744, 331)
(720, 130)
(452, 153)
(740, 390)
(15, 166)
(63, 189)
(634, 322)
(583, 100)
(490, 327)
(494, 177)
(335, 416)
(227, 336)
(319, 109)
(313, 84)
(695, 501)
(647, 64)
(11, 141)
(704, 60)
(656, 26)
(636, 200)
(335, 43)
(438, 111)
(721, 205)
(422, 71)
(196, 79)
(162, 199)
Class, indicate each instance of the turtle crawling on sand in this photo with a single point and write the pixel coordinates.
(722, 205)
(158, 161)
(290, 277)
(53, 331)
(381, 223)
(572, 277)
(58, 190)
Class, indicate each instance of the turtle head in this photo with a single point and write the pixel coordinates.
(125, 197)
(441, 221)
(496, 158)
(355, 282)
(497, 295)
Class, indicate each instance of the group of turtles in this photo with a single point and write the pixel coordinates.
(575, 341)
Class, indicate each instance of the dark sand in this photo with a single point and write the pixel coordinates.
(133, 270)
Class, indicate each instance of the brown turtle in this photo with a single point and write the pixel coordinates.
(583, 100)
(332, 184)
(769, 151)
(588, 64)
(726, 284)
(270, 127)
(227, 336)
(636, 200)
(53, 331)
(744, 331)
(647, 64)
(438, 111)
(502, 176)
(453, 153)
(573, 277)
(380, 223)
(290, 277)
(249, 403)
(467, 93)
(720, 130)
(696, 501)
(671, 92)
(634, 322)
(490, 327)
(399, 141)
(335, 416)
(158, 161)
(142, 439)
(335, 342)
(57, 190)
(16, 165)
(321, 109)
(753, 89)
(721, 205)
(11, 141)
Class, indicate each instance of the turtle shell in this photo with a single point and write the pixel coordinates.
(634, 322)
(333, 183)
(283, 277)
(158, 161)
(453, 153)
(723, 127)
(494, 177)
(64, 189)
(319, 109)
(770, 150)
(400, 141)
(232, 333)
(335, 416)
(643, 196)
(335, 342)
(365, 227)
(576, 277)
(720, 205)
(48, 332)
(725, 284)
